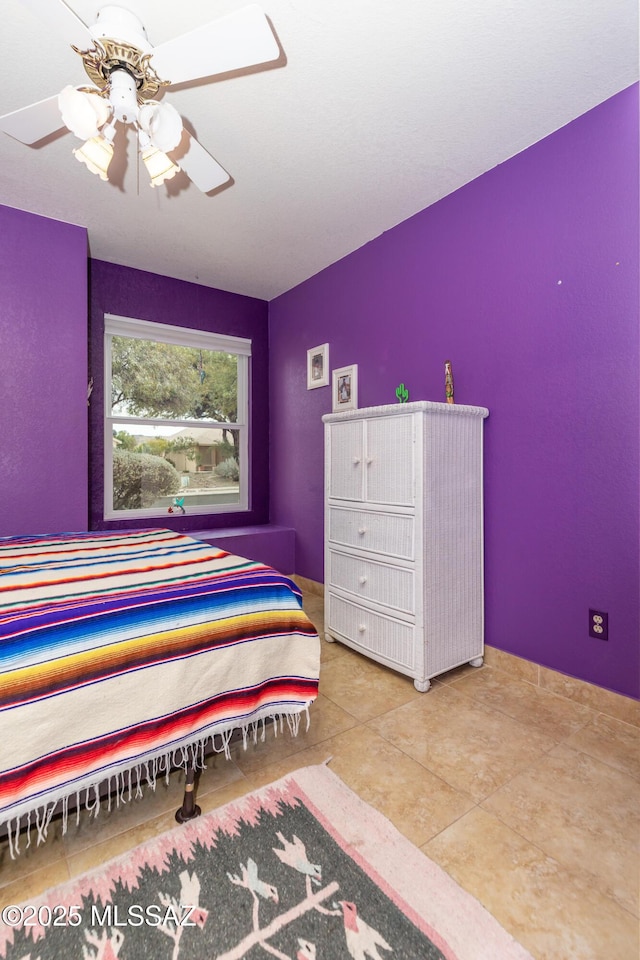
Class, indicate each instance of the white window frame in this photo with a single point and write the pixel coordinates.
(115, 326)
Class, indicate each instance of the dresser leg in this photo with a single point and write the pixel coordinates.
(329, 638)
(422, 685)
(476, 662)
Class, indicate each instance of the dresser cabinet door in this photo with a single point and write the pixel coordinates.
(346, 456)
(389, 456)
(373, 461)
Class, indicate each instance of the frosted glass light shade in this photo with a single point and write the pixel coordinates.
(162, 123)
(159, 166)
(96, 153)
(83, 113)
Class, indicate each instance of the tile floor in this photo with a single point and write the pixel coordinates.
(530, 800)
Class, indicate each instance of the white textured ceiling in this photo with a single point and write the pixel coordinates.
(378, 109)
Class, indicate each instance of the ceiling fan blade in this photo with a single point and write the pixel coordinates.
(199, 166)
(240, 39)
(63, 20)
(32, 123)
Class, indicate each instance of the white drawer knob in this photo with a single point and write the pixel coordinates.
(356, 460)
(362, 531)
(363, 579)
(369, 460)
(362, 627)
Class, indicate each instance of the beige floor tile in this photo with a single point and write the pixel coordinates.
(555, 913)
(313, 604)
(530, 704)
(32, 858)
(583, 813)
(327, 720)
(218, 772)
(363, 688)
(267, 747)
(419, 803)
(452, 676)
(473, 747)
(268, 772)
(611, 741)
(91, 857)
(315, 612)
(224, 794)
(310, 588)
(34, 884)
(330, 651)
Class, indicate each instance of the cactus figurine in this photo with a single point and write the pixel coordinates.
(402, 393)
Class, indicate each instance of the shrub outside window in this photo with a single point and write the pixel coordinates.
(176, 415)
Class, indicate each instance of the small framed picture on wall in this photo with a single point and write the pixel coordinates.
(345, 388)
(318, 366)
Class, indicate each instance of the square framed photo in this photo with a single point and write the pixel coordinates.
(318, 366)
(344, 391)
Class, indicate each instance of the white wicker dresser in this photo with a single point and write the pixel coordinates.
(404, 535)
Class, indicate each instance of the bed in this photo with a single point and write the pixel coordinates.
(123, 655)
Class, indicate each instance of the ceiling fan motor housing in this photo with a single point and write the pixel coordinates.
(116, 23)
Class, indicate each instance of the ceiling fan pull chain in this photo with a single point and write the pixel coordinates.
(137, 161)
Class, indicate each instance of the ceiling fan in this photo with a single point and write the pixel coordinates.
(127, 73)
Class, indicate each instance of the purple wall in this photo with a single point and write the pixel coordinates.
(146, 296)
(527, 279)
(43, 374)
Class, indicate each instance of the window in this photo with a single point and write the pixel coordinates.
(176, 415)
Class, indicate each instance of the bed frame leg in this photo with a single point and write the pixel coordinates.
(189, 809)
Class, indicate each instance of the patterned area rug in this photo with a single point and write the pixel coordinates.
(299, 870)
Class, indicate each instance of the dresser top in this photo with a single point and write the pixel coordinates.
(415, 406)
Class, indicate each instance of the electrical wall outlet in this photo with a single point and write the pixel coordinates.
(598, 624)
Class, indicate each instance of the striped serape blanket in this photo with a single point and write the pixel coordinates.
(124, 653)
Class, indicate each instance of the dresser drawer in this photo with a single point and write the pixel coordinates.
(387, 533)
(378, 582)
(388, 638)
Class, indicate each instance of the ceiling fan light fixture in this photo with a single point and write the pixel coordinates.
(162, 123)
(97, 154)
(123, 66)
(159, 166)
(83, 112)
